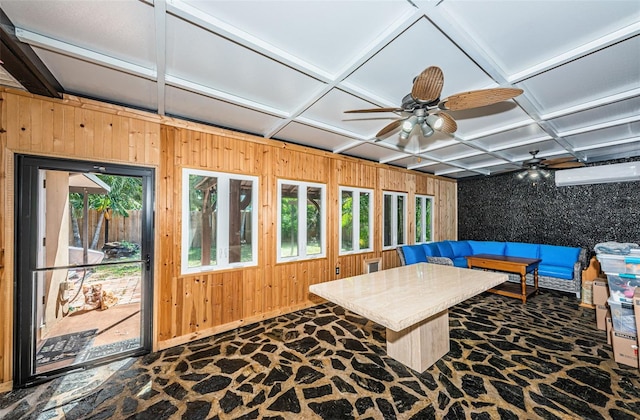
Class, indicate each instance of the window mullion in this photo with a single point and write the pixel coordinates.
(222, 221)
(356, 221)
(302, 221)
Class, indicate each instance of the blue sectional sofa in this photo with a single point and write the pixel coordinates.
(560, 268)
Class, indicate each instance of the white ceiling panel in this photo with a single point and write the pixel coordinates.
(457, 151)
(546, 149)
(604, 73)
(553, 29)
(523, 135)
(120, 29)
(207, 59)
(613, 152)
(604, 136)
(79, 77)
(478, 161)
(326, 36)
(480, 121)
(598, 116)
(202, 108)
(370, 151)
(392, 70)
(288, 69)
(313, 137)
(330, 110)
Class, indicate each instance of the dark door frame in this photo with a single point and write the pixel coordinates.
(26, 231)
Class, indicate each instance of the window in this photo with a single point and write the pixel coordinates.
(356, 216)
(301, 215)
(424, 218)
(219, 224)
(394, 219)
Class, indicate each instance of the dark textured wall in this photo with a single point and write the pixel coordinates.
(504, 208)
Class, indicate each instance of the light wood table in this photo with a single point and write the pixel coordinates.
(413, 303)
(516, 265)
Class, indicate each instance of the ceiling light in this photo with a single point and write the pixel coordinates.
(426, 130)
(435, 121)
(409, 123)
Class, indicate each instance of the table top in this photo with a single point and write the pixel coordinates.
(504, 258)
(400, 297)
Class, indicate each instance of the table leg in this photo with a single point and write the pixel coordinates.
(523, 285)
(420, 345)
(535, 279)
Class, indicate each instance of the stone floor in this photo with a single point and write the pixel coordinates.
(545, 359)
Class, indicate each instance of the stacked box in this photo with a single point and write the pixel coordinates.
(625, 348)
(609, 326)
(622, 316)
(600, 292)
(622, 286)
(629, 264)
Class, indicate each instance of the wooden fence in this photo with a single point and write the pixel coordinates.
(120, 228)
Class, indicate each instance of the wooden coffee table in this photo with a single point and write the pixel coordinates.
(515, 265)
(412, 302)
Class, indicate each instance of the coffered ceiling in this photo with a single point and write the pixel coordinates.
(287, 70)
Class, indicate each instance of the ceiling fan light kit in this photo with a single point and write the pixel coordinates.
(427, 109)
(536, 167)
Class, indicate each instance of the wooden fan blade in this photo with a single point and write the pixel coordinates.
(394, 125)
(566, 165)
(428, 85)
(478, 98)
(555, 161)
(450, 126)
(358, 111)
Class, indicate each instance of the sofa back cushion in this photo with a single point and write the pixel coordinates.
(460, 248)
(487, 247)
(413, 254)
(522, 250)
(431, 249)
(445, 249)
(563, 256)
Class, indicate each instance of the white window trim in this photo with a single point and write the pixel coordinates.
(222, 231)
(423, 199)
(394, 225)
(356, 220)
(302, 221)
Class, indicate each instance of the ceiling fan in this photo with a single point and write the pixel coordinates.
(536, 167)
(426, 109)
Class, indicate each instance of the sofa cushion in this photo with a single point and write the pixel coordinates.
(460, 248)
(555, 271)
(562, 256)
(522, 250)
(487, 247)
(445, 249)
(413, 254)
(431, 249)
(460, 262)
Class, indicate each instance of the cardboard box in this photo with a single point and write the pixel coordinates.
(625, 348)
(609, 323)
(601, 313)
(600, 292)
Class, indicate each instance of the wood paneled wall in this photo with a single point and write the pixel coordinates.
(194, 306)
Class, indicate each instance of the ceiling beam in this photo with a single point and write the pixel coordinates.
(23, 63)
(160, 15)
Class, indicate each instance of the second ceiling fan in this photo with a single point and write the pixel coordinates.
(426, 109)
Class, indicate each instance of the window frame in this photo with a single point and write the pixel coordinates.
(356, 220)
(222, 234)
(302, 221)
(424, 198)
(394, 227)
